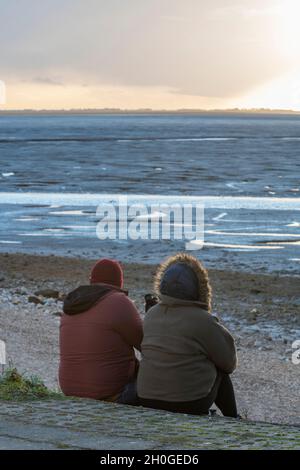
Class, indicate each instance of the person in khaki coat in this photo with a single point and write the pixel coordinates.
(187, 355)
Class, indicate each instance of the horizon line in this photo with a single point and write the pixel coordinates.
(150, 111)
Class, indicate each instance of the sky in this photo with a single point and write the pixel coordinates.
(159, 54)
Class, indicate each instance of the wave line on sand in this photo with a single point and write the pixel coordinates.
(93, 199)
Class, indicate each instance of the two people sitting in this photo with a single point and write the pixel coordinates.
(187, 355)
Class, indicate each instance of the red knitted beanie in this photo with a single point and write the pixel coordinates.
(107, 271)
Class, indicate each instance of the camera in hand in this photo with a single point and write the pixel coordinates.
(150, 301)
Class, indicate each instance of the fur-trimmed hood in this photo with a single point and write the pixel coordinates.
(204, 288)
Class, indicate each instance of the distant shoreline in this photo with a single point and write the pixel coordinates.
(115, 111)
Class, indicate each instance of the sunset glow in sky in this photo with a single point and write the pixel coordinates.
(160, 54)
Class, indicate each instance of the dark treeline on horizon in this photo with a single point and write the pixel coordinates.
(148, 111)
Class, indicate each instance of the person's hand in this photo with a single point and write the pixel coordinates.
(150, 301)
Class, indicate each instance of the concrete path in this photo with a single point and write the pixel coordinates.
(87, 424)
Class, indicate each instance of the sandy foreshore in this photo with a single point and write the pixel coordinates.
(262, 311)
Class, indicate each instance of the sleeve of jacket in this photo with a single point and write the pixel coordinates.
(220, 346)
(128, 322)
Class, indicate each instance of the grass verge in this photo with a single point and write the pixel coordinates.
(15, 386)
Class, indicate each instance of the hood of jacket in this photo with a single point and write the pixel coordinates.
(184, 277)
(85, 297)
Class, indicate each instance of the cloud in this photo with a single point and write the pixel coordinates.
(209, 48)
(47, 81)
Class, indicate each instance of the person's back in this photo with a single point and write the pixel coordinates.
(99, 329)
(179, 351)
(187, 355)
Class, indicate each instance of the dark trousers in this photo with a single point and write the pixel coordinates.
(128, 396)
(222, 394)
